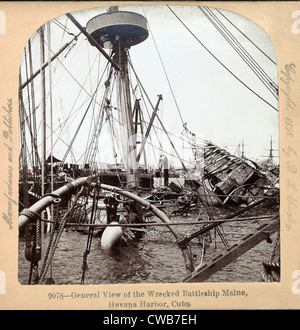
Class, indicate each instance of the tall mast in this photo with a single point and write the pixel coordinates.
(43, 106)
(118, 31)
(243, 149)
(271, 149)
(51, 110)
(129, 137)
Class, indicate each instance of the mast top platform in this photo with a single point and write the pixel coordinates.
(128, 27)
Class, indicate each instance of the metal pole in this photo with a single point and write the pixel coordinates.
(51, 109)
(129, 138)
(34, 75)
(43, 102)
(92, 41)
(149, 128)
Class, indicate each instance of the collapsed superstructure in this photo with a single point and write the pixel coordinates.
(228, 179)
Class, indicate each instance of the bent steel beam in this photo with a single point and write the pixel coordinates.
(203, 272)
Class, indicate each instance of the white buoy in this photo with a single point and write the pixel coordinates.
(111, 236)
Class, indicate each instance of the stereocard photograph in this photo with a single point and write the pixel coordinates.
(149, 148)
(150, 155)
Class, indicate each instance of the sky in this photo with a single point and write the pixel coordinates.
(172, 61)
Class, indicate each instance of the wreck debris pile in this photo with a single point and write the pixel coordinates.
(229, 179)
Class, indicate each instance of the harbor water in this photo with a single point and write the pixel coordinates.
(153, 258)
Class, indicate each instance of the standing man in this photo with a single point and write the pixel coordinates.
(164, 164)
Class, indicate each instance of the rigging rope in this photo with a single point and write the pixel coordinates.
(63, 27)
(29, 108)
(271, 268)
(229, 37)
(162, 125)
(81, 86)
(165, 72)
(32, 97)
(90, 234)
(225, 67)
(90, 155)
(53, 243)
(246, 37)
(81, 122)
(142, 90)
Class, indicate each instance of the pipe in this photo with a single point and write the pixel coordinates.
(48, 200)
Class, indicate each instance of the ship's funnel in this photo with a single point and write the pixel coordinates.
(128, 27)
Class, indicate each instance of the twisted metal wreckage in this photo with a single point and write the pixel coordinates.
(225, 180)
(31, 217)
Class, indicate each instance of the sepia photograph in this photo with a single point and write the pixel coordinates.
(149, 148)
(150, 157)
